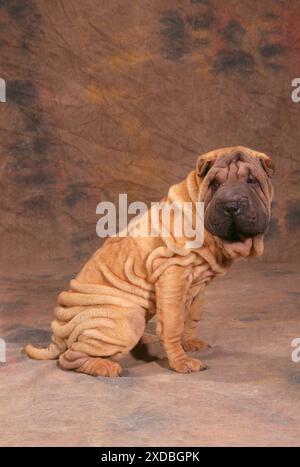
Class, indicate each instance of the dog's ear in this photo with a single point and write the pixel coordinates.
(203, 166)
(267, 165)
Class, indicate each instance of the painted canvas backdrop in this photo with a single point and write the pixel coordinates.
(108, 97)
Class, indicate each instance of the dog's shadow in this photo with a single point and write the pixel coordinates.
(147, 352)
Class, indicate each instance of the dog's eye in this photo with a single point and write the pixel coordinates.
(251, 179)
(214, 184)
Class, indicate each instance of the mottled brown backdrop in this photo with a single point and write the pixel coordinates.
(111, 96)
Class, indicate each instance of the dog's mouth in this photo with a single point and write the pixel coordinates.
(237, 243)
(234, 235)
(238, 248)
(237, 236)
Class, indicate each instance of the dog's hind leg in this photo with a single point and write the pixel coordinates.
(94, 348)
(83, 363)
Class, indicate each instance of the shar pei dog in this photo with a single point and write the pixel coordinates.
(131, 278)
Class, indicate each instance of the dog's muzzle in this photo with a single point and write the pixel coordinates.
(234, 216)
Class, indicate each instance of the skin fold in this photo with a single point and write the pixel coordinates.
(130, 279)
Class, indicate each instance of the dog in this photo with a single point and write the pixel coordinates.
(131, 278)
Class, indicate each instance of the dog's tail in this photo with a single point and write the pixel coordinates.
(52, 352)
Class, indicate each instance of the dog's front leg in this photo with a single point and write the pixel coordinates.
(171, 290)
(190, 341)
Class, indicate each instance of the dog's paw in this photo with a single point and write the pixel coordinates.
(195, 344)
(188, 365)
(100, 367)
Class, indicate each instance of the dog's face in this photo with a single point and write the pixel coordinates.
(237, 191)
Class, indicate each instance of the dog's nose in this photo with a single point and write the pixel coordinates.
(233, 208)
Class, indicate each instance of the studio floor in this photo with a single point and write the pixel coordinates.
(249, 395)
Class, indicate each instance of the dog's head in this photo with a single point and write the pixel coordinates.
(237, 192)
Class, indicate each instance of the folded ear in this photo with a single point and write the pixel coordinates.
(267, 165)
(203, 166)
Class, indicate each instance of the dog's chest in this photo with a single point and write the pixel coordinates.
(201, 274)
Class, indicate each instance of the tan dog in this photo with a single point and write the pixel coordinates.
(104, 313)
